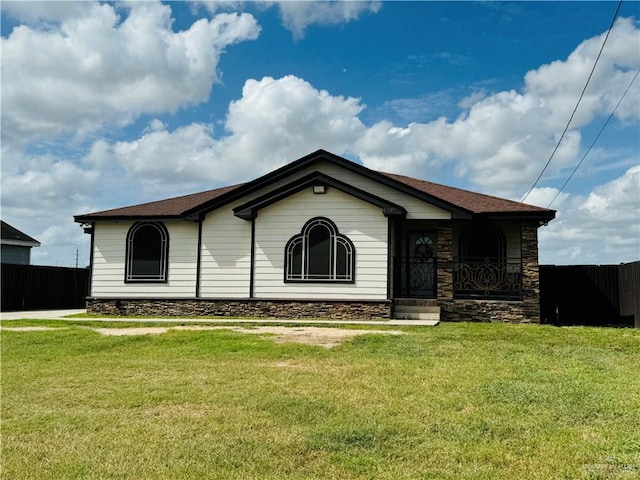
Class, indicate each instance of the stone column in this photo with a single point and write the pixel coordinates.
(444, 257)
(530, 271)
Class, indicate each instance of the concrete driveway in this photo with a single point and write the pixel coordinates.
(40, 314)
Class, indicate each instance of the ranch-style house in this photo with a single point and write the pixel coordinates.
(320, 237)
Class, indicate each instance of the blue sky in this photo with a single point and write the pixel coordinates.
(112, 104)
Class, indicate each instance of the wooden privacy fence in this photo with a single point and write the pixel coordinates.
(31, 287)
(629, 285)
(594, 295)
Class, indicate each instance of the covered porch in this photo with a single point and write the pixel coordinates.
(484, 259)
(460, 265)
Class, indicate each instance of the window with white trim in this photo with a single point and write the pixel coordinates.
(319, 254)
(147, 253)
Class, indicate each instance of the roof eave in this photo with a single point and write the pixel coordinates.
(120, 218)
(545, 216)
(19, 243)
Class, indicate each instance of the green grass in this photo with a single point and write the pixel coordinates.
(460, 401)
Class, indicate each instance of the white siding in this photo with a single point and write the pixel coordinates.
(226, 262)
(363, 223)
(109, 260)
(226, 242)
(226, 245)
(416, 209)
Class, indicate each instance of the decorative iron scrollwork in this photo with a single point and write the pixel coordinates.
(491, 278)
(415, 277)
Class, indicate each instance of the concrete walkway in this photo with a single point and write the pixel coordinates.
(39, 314)
(60, 314)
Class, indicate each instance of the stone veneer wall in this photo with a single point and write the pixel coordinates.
(241, 308)
(444, 258)
(461, 310)
(530, 270)
(525, 311)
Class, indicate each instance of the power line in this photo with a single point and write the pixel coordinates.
(544, 169)
(595, 139)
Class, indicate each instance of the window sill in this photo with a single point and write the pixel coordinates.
(146, 280)
(317, 281)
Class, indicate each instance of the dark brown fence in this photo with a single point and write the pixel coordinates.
(31, 287)
(629, 286)
(596, 295)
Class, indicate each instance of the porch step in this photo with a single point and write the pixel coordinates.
(417, 316)
(422, 302)
(416, 312)
(418, 309)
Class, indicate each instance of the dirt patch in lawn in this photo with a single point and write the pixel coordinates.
(322, 336)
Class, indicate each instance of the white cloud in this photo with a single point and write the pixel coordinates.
(604, 227)
(503, 140)
(46, 12)
(278, 120)
(275, 121)
(471, 99)
(543, 196)
(560, 83)
(33, 186)
(616, 200)
(186, 155)
(40, 194)
(96, 68)
(297, 16)
(425, 107)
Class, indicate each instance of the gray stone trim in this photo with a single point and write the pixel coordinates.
(241, 308)
(488, 311)
(530, 269)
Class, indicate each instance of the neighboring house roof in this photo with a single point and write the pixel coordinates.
(461, 203)
(12, 236)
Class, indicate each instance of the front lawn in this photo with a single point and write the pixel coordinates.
(458, 401)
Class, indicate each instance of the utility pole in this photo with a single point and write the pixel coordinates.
(76, 258)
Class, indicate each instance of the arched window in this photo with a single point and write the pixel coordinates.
(481, 242)
(319, 254)
(147, 253)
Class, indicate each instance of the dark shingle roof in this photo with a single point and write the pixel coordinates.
(7, 232)
(455, 199)
(170, 208)
(471, 201)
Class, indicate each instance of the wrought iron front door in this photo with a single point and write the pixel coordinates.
(420, 265)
